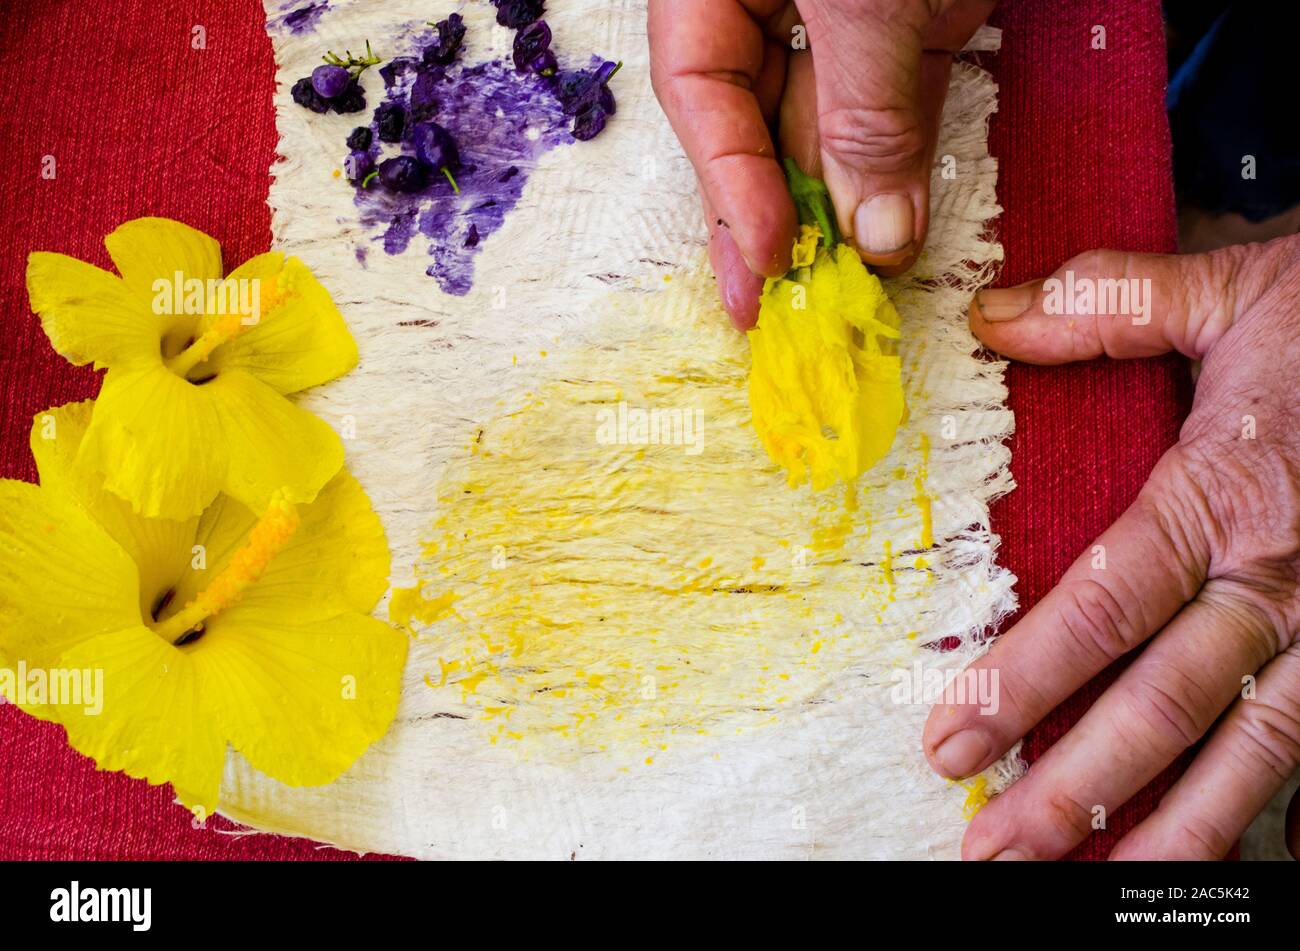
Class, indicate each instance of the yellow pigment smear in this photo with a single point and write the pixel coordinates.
(825, 386)
(617, 567)
(977, 796)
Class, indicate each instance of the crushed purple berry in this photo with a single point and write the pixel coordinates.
(351, 99)
(359, 139)
(390, 120)
(580, 89)
(585, 95)
(489, 123)
(305, 95)
(587, 125)
(445, 46)
(532, 49)
(303, 19)
(517, 13)
(402, 174)
(423, 99)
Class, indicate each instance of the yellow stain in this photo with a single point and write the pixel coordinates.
(977, 796)
(632, 606)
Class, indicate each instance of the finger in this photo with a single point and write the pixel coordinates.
(797, 136)
(1116, 595)
(1250, 756)
(738, 286)
(797, 123)
(879, 87)
(1128, 305)
(1161, 705)
(706, 59)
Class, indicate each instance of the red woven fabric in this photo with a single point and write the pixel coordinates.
(1084, 162)
(142, 123)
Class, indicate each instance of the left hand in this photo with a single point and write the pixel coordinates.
(1203, 568)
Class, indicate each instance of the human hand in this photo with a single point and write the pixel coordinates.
(865, 120)
(1205, 566)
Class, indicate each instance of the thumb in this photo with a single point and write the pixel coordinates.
(1125, 305)
(879, 95)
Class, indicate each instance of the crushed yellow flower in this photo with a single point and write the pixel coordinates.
(222, 629)
(198, 368)
(825, 383)
(977, 797)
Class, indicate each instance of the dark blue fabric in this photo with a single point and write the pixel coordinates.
(1232, 95)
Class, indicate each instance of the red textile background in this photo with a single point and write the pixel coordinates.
(141, 123)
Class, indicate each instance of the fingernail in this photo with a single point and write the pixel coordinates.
(884, 224)
(738, 286)
(1004, 303)
(1010, 855)
(963, 753)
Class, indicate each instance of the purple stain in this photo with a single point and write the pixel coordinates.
(304, 18)
(503, 121)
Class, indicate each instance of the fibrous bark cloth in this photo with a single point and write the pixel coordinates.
(624, 644)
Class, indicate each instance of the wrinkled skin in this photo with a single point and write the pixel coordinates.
(1202, 570)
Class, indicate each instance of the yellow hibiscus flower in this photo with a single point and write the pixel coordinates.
(193, 402)
(224, 628)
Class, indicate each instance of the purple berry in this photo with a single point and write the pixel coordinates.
(445, 46)
(390, 119)
(329, 81)
(360, 138)
(402, 174)
(517, 13)
(434, 146)
(357, 166)
(532, 50)
(306, 96)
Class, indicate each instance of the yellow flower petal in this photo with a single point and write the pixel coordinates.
(336, 561)
(271, 443)
(300, 700)
(300, 339)
(157, 721)
(89, 314)
(158, 441)
(825, 384)
(339, 556)
(148, 249)
(159, 547)
(62, 579)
